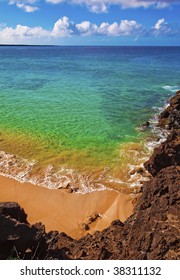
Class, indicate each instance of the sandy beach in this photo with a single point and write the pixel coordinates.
(72, 213)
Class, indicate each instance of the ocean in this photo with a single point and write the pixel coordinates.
(70, 116)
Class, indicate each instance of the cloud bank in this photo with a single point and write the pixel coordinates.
(64, 28)
(96, 6)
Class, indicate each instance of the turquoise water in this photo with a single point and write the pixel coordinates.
(75, 106)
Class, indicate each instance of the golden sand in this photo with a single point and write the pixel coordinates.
(72, 213)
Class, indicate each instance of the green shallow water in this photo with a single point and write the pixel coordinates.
(77, 106)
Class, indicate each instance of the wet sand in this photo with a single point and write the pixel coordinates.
(67, 212)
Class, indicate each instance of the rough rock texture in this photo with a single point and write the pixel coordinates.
(168, 154)
(152, 232)
(170, 117)
(155, 227)
(13, 210)
(17, 237)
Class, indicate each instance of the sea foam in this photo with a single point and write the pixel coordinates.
(171, 88)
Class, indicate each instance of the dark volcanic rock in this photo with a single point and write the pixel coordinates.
(167, 154)
(102, 245)
(170, 117)
(13, 210)
(155, 225)
(16, 235)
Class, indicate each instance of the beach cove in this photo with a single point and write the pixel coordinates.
(156, 213)
(70, 118)
(71, 151)
(74, 214)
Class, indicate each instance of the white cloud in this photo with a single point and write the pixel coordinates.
(129, 27)
(162, 5)
(101, 6)
(86, 28)
(22, 34)
(55, 1)
(161, 27)
(25, 5)
(125, 28)
(64, 27)
(159, 24)
(96, 6)
(110, 29)
(27, 8)
(25, 34)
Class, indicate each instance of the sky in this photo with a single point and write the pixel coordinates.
(90, 22)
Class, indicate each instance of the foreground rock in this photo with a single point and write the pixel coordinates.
(155, 226)
(168, 154)
(170, 117)
(18, 239)
(152, 232)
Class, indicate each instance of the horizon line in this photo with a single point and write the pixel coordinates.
(52, 45)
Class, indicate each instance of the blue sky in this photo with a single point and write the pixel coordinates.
(90, 22)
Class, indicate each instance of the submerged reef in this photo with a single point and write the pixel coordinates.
(151, 233)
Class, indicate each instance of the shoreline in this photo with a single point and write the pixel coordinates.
(115, 176)
(67, 212)
(107, 204)
(150, 233)
(51, 176)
